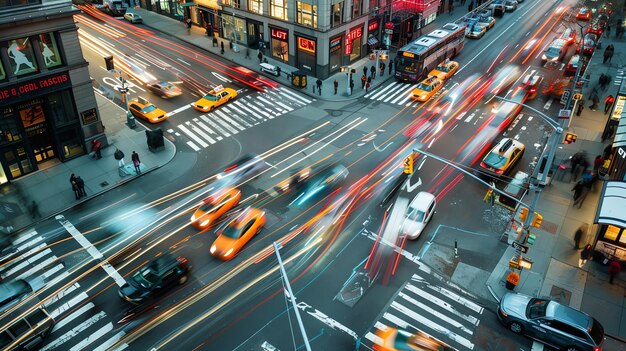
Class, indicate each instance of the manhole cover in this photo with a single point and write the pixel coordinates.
(103, 184)
(336, 113)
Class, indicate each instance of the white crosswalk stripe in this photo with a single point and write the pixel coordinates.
(396, 93)
(79, 323)
(426, 305)
(237, 116)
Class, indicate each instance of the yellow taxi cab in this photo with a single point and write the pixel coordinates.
(427, 88)
(142, 108)
(215, 98)
(392, 339)
(444, 70)
(233, 236)
(503, 157)
(214, 206)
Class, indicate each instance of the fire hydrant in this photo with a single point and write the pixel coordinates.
(511, 280)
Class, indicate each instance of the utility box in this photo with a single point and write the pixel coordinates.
(155, 139)
(298, 79)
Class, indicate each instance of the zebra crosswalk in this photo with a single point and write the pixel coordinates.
(397, 93)
(426, 305)
(238, 115)
(79, 323)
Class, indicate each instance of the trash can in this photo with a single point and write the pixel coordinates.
(155, 139)
(298, 79)
(130, 119)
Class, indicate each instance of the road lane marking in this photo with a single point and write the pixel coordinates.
(180, 109)
(75, 331)
(88, 246)
(107, 344)
(93, 337)
(61, 294)
(26, 262)
(192, 136)
(25, 237)
(72, 316)
(66, 306)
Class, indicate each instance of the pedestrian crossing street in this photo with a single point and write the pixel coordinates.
(428, 306)
(238, 115)
(79, 323)
(397, 93)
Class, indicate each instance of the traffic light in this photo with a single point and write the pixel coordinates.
(569, 138)
(408, 164)
(531, 239)
(523, 214)
(108, 61)
(537, 220)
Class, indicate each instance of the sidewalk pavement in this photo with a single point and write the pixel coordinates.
(50, 187)
(555, 271)
(197, 37)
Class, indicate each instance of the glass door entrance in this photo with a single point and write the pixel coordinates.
(34, 122)
(17, 162)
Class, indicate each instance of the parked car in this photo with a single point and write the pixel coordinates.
(154, 277)
(498, 8)
(510, 5)
(583, 14)
(502, 157)
(475, 31)
(551, 323)
(14, 291)
(587, 44)
(555, 51)
(133, 17)
(418, 214)
(572, 65)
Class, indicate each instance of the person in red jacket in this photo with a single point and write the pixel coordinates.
(614, 268)
(608, 103)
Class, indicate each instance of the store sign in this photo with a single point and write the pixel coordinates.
(619, 107)
(36, 86)
(372, 26)
(408, 54)
(306, 44)
(389, 27)
(279, 34)
(354, 34)
(348, 47)
(335, 44)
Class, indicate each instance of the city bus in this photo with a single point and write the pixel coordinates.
(417, 58)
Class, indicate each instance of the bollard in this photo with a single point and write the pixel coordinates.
(456, 249)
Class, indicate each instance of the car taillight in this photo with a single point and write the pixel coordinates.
(230, 168)
(532, 90)
(597, 348)
(499, 171)
(181, 259)
(482, 164)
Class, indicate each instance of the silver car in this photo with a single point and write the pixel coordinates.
(551, 323)
(133, 17)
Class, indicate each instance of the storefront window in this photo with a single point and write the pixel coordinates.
(611, 233)
(165, 5)
(357, 6)
(3, 74)
(233, 27)
(9, 131)
(71, 143)
(337, 14)
(278, 9)
(280, 44)
(62, 108)
(307, 14)
(49, 50)
(255, 6)
(21, 56)
(232, 3)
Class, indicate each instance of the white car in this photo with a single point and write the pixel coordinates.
(418, 214)
(510, 5)
(133, 17)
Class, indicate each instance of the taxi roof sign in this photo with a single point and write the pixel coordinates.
(218, 88)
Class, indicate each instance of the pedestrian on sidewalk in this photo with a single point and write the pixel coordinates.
(611, 51)
(119, 156)
(373, 72)
(365, 71)
(390, 66)
(214, 42)
(577, 189)
(579, 109)
(595, 101)
(585, 255)
(260, 56)
(582, 230)
(80, 183)
(351, 86)
(336, 85)
(583, 194)
(363, 81)
(608, 103)
(136, 162)
(608, 53)
(34, 210)
(222, 47)
(382, 69)
(319, 86)
(74, 186)
(188, 23)
(614, 268)
(597, 162)
(608, 30)
(96, 145)
(604, 80)
(367, 86)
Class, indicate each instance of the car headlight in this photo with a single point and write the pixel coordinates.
(228, 252)
(213, 249)
(544, 57)
(205, 222)
(193, 217)
(423, 96)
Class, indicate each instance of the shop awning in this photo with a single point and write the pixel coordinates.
(612, 204)
(371, 41)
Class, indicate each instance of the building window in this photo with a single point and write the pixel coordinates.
(255, 6)
(336, 18)
(9, 3)
(62, 108)
(307, 14)
(49, 50)
(21, 56)
(3, 74)
(278, 9)
(357, 8)
(232, 3)
(9, 131)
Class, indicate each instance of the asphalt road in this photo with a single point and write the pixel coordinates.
(240, 304)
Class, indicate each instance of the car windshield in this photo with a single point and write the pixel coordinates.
(417, 215)
(443, 68)
(495, 160)
(149, 108)
(407, 65)
(145, 278)
(553, 51)
(424, 87)
(232, 232)
(210, 97)
(597, 332)
(537, 308)
(210, 207)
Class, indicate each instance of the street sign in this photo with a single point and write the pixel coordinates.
(564, 114)
(518, 246)
(577, 96)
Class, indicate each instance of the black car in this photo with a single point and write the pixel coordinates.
(247, 166)
(155, 276)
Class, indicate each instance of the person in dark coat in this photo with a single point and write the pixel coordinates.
(319, 86)
(222, 48)
(585, 255)
(608, 150)
(577, 189)
(390, 66)
(365, 71)
(260, 56)
(579, 235)
(74, 186)
(595, 101)
(80, 183)
(336, 85)
(351, 85)
(136, 162)
(363, 81)
(373, 72)
(614, 268)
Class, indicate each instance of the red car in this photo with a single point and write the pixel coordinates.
(583, 14)
(589, 41)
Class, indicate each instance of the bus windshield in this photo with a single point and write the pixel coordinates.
(407, 64)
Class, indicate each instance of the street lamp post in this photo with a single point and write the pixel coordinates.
(349, 71)
(378, 54)
(123, 89)
(578, 69)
